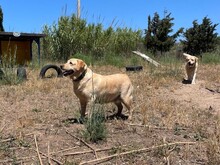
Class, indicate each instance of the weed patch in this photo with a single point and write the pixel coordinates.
(95, 128)
(8, 71)
(211, 58)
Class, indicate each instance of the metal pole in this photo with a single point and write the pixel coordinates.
(78, 9)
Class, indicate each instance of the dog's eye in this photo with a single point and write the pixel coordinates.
(71, 63)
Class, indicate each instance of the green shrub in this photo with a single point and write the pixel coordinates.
(8, 73)
(95, 128)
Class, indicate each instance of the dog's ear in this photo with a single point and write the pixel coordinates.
(197, 59)
(81, 64)
(186, 55)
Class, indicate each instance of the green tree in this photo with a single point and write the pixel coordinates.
(157, 35)
(200, 38)
(1, 20)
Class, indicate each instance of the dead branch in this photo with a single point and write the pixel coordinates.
(147, 126)
(7, 140)
(83, 143)
(87, 151)
(133, 151)
(18, 159)
(48, 152)
(29, 134)
(55, 160)
(64, 150)
(2, 128)
(46, 156)
(35, 139)
(144, 56)
(210, 90)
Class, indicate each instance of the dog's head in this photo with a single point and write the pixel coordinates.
(74, 68)
(190, 60)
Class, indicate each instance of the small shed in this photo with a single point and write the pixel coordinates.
(19, 45)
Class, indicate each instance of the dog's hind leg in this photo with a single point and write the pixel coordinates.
(127, 102)
(120, 107)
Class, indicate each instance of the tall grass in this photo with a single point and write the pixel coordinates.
(211, 58)
(110, 59)
(8, 66)
(71, 36)
(213, 145)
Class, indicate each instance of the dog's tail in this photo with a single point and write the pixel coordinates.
(185, 54)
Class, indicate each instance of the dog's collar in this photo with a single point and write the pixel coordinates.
(81, 76)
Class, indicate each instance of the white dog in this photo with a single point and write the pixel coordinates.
(191, 66)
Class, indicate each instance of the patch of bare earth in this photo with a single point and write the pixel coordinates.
(198, 95)
(173, 123)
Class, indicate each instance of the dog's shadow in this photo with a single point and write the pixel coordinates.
(186, 81)
(116, 116)
(81, 121)
(72, 121)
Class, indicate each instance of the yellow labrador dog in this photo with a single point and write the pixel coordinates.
(191, 66)
(89, 86)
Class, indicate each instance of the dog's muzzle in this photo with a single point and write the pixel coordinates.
(190, 64)
(68, 72)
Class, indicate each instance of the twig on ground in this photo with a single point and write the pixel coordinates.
(64, 150)
(48, 152)
(55, 160)
(2, 128)
(87, 151)
(133, 151)
(7, 140)
(46, 156)
(147, 126)
(83, 143)
(17, 159)
(35, 139)
(29, 134)
(211, 90)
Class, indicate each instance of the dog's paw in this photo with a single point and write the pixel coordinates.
(81, 120)
(186, 81)
(129, 117)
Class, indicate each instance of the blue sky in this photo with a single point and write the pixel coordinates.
(31, 15)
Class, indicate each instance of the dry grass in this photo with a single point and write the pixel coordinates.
(170, 111)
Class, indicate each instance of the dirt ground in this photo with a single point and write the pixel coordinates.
(173, 122)
(198, 95)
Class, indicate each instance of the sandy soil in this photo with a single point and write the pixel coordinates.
(198, 95)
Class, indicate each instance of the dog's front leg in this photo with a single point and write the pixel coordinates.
(92, 103)
(83, 105)
(194, 77)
